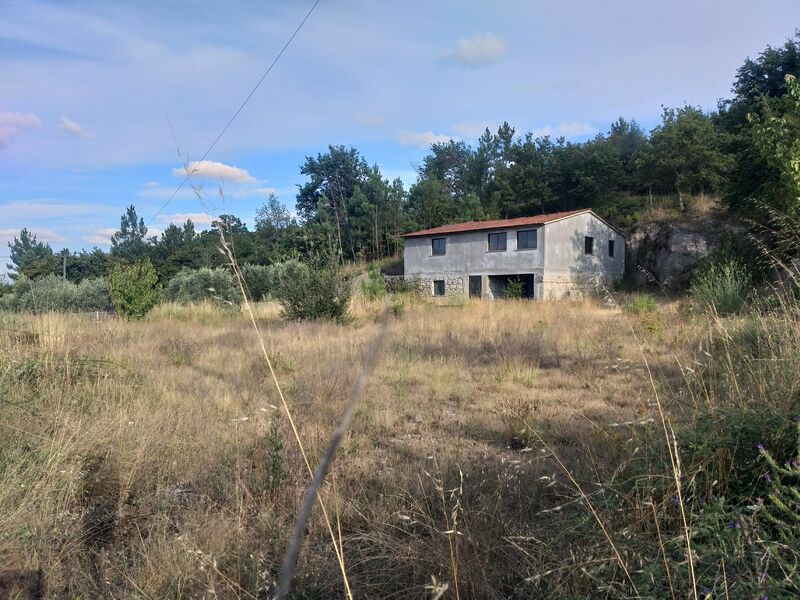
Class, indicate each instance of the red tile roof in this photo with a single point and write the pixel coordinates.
(498, 224)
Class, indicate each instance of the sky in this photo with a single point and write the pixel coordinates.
(105, 104)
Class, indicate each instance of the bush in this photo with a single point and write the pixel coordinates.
(722, 287)
(133, 289)
(52, 293)
(259, 281)
(374, 286)
(191, 286)
(515, 289)
(308, 293)
(641, 304)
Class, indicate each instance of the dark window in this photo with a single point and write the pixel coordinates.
(439, 246)
(438, 287)
(611, 248)
(588, 245)
(526, 240)
(497, 242)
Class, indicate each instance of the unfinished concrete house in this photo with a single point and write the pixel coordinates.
(544, 257)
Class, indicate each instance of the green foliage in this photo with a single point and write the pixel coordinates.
(723, 287)
(374, 285)
(641, 304)
(128, 243)
(686, 153)
(312, 292)
(259, 281)
(133, 289)
(52, 293)
(198, 285)
(30, 257)
(515, 289)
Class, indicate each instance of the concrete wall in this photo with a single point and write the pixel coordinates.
(568, 271)
(560, 266)
(468, 253)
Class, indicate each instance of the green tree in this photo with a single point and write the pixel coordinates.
(686, 154)
(133, 288)
(30, 257)
(760, 89)
(777, 143)
(128, 243)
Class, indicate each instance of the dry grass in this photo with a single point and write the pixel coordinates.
(149, 459)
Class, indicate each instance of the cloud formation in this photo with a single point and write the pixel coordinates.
(13, 123)
(69, 126)
(249, 193)
(477, 51)
(422, 139)
(472, 130)
(567, 130)
(210, 169)
(101, 237)
(198, 219)
(42, 235)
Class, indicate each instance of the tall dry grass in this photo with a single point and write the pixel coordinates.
(150, 459)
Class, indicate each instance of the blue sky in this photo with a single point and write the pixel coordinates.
(102, 104)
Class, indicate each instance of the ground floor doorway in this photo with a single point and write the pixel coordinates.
(512, 286)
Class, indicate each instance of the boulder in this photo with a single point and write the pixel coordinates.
(666, 254)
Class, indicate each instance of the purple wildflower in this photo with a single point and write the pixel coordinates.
(760, 447)
(767, 478)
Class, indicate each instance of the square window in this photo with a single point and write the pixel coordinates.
(438, 246)
(526, 240)
(588, 245)
(611, 248)
(438, 287)
(497, 242)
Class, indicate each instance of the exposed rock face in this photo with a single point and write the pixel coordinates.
(666, 254)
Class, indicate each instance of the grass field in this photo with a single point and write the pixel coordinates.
(152, 460)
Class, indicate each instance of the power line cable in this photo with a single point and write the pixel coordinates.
(239, 110)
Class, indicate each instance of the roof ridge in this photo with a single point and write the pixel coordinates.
(497, 223)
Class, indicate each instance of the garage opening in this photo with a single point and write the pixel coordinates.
(512, 286)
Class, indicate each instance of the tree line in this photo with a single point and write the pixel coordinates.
(348, 210)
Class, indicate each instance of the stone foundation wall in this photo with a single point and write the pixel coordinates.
(454, 285)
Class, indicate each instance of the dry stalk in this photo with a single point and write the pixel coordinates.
(674, 457)
(312, 491)
(588, 502)
(228, 250)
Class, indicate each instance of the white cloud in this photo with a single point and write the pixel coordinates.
(422, 139)
(42, 235)
(69, 126)
(203, 219)
(209, 169)
(26, 210)
(14, 123)
(152, 184)
(249, 193)
(370, 120)
(101, 237)
(567, 130)
(477, 51)
(473, 129)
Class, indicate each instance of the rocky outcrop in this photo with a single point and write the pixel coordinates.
(666, 254)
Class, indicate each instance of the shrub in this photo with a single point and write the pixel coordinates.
(641, 304)
(374, 286)
(52, 293)
(515, 289)
(133, 289)
(191, 286)
(722, 287)
(307, 292)
(259, 281)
